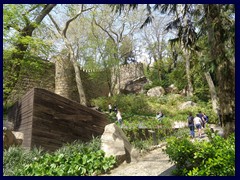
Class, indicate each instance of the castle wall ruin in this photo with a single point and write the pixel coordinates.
(59, 77)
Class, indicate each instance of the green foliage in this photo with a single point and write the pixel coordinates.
(178, 77)
(141, 107)
(142, 145)
(200, 86)
(130, 104)
(136, 129)
(74, 164)
(202, 158)
(75, 159)
(15, 157)
(22, 47)
(217, 158)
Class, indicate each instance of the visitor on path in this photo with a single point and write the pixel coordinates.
(110, 108)
(197, 122)
(159, 116)
(200, 115)
(191, 124)
(205, 118)
(115, 109)
(119, 118)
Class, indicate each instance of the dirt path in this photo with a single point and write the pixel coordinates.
(153, 163)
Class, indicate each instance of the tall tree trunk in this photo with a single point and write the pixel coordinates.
(213, 92)
(225, 73)
(81, 92)
(82, 96)
(189, 82)
(73, 58)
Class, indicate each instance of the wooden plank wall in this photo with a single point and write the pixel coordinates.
(21, 115)
(57, 120)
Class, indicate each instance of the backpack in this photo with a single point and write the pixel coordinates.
(190, 120)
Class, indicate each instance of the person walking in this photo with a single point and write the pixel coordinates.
(205, 118)
(115, 109)
(197, 122)
(200, 115)
(110, 108)
(159, 116)
(119, 118)
(191, 124)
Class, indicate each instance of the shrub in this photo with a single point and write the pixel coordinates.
(217, 158)
(15, 157)
(75, 164)
(130, 104)
(73, 159)
(202, 158)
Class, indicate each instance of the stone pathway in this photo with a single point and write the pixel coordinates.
(153, 163)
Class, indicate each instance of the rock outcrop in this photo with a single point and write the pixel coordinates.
(115, 143)
(186, 105)
(171, 89)
(134, 86)
(156, 91)
(11, 138)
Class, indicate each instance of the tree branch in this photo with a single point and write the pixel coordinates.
(104, 30)
(121, 33)
(73, 18)
(55, 23)
(44, 12)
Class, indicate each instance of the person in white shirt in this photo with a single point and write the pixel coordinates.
(197, 122)
(110, 107)
(119, 118)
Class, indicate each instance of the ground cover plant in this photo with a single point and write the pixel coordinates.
(202, 158)
(74, 159)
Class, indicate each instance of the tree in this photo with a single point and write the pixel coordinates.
(20, 21)
(119, 45)
(214, 23)
(217, 22)
(73, 54)
(155, 39)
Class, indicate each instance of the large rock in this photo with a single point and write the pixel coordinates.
(171, 89)
(156, 91)
(179, 124)
(11, 138)
(186, 105)
(115, 143)
(19, 137)
(134, 86)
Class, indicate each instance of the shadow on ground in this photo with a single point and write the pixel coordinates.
(168, 172)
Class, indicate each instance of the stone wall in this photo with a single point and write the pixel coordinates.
(94, 83)
(65, 84)
(59, 77)
(125, 74)
(43, 78)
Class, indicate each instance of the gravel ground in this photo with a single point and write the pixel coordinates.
(154, 163)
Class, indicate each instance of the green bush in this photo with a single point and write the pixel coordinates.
(217, 158)
(75, 164)
(15, 157)
(73, 159)
(130, 104)
(202, 158)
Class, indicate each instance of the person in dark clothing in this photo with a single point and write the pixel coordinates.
(205, 118)
(191, 124)
(115, 109)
